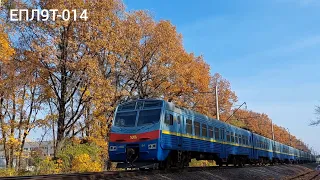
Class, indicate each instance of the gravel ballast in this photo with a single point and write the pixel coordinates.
(247, 173)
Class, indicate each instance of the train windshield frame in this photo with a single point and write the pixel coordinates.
(138, 113)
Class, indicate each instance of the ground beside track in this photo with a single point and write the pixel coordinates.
(247, 173)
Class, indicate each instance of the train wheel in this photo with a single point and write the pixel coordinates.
(241, 162)
(166, 164)
(220, 162)
(235, 161)
(182, 162)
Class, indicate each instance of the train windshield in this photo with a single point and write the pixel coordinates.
(149, 117)
(126, 119)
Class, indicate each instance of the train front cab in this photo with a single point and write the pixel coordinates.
(135, 133)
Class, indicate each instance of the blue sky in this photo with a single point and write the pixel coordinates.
(269, 50)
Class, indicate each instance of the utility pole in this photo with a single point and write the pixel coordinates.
(274, 143)
(272, 130)
(289, 136)
(217, 103)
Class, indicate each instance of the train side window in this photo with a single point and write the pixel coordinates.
(240, 139)
(179, 119)
(266, 144)
(243, 139)
(222, 137)
(204, 130)
(196, 128)
(236, 138)
(232, 137)
(189, 126)
(169, 119)
(216, 133)
(228, 136)
(210, 132)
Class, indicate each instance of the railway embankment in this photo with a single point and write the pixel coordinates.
(286, 172)
(305, 171)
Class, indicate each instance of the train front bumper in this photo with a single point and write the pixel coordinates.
(146, 151)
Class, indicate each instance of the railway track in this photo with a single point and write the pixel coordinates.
(135, 173)
(311, 175)
(113, 174)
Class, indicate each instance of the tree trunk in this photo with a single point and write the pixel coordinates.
(4, 136)
(63, 90)
(12, 122)
(18, 162)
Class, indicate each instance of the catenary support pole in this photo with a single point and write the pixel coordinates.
(217, 103)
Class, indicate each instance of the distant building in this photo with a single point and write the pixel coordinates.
(45, 148)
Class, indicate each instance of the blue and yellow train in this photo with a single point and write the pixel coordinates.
(156, 133)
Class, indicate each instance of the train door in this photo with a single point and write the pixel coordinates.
(253, 149)
(223, 146)
(180, 123)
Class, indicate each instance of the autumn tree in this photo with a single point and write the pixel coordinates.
(6, 53)
(75, 73)
(66, 52)
(317, 121)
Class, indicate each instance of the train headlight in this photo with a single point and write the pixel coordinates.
(152, 146)
(113, 148)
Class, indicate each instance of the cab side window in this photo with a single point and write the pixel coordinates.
(169, 119)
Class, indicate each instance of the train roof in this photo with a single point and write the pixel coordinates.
(171, 106)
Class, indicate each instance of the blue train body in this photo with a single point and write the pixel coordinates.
(158, 133)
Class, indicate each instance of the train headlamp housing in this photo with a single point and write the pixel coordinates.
(113, 148)
(152, 146)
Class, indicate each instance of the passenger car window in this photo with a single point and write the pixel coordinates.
(236, 138)
(196, 128)
(243, 139)
(232, 137)
(228, 136)
(216, 133)
(189, 126)
(210, 132)
(222, 137)
(204, 130)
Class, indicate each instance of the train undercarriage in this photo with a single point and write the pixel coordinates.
(181, 159)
